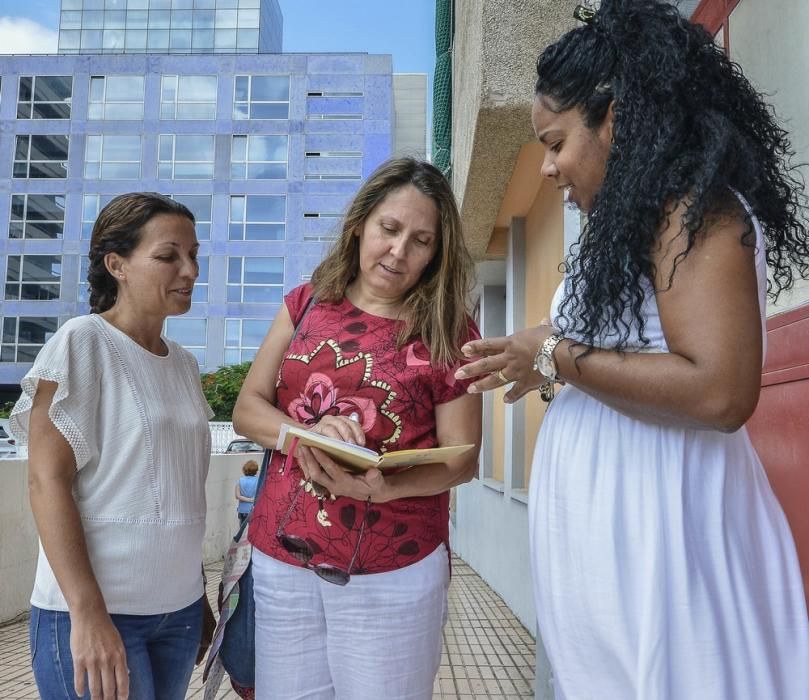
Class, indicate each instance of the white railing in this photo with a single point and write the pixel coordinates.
(221, 434)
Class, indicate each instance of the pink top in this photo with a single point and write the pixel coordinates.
(343, 361)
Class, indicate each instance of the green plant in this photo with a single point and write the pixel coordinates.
(221, 388)
(5, 409)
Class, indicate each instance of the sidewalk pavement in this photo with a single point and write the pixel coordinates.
(487, 652)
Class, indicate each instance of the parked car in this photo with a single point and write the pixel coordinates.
(8, 446)
(243, 445)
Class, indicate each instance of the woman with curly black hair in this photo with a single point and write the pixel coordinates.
(664, 567)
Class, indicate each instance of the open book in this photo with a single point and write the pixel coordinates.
(361, 458)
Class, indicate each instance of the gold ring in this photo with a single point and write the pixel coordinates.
(502, 377)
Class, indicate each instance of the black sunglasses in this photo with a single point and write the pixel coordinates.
(301, 550)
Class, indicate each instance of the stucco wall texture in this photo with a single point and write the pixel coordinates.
(494, 69)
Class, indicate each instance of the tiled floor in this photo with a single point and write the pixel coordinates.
(487, 652)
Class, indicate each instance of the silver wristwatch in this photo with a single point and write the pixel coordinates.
(544, 362)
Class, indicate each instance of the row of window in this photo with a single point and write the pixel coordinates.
(158, 40)
(252, 217)
(72, 20)
(112, 5)
(250, 280)
(181, 97)
(23, 337)
(179, 157)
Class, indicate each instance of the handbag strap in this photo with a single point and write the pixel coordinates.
(268, 453)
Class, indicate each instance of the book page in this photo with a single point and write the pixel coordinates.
(342, 452)
(412, 458)
(358, 457)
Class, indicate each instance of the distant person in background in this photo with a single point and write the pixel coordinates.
(119, 446)
(246, 489)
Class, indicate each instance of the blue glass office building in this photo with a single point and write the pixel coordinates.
(265, 148)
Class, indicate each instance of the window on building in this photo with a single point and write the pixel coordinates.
(136, 38)
(116, 97)
(334, 105)
(24, 336)
(320, 227)
(332, 176)
(92, 205)
(259, 157)
(33, 277)
(714, 15)
(243, 337)
(200, 206)
(44, 97)
(332, 165)
(255, 280)
(69, 39)
(112, 157)
(257, 217)
(261, 97)
(41, 156)
(191, 333)
(37, 216)
(84, 286)
(224, 40)
(333, 154)
(188, 97)
(185, 157)
(336, 116)
(200, 293)
(334, 93)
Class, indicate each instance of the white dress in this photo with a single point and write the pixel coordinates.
(664, 568)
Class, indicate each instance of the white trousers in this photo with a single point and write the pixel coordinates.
(380, 636)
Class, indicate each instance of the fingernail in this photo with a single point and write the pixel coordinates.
(472, 389)
(466, 349)
(460, 374)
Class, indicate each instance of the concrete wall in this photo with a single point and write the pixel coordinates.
(18, 540)
(772, 49)
(494, 54)
(18, 536)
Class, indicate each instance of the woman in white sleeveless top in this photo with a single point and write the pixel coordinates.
(119, 446)
(664, 567)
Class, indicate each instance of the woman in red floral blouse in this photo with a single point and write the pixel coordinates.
(379, 335)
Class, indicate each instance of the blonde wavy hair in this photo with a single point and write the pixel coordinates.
(435, 309)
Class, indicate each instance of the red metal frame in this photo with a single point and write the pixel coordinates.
(778, 428)
(713, 15)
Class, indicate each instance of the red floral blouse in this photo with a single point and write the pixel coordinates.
(343, 361)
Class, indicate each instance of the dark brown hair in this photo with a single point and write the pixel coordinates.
(118, 230)
(250, 467)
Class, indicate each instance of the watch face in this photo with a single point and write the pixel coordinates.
(546, 366)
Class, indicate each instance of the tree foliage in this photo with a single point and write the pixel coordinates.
(221, 388)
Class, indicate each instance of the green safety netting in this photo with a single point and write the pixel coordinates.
(442, 85)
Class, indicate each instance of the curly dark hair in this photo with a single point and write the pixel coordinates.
(688, 127)
(117, 230)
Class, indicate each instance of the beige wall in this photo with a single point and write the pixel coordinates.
(769, 41)
(18, 540)
(544, 235)
(497, 431)
(18, 536)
